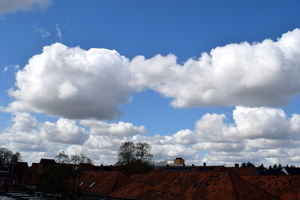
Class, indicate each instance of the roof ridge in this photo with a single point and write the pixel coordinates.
(113, 186)
(243, 180)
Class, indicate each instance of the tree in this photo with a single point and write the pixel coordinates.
(7, 157)
(57, 179)
(261, 168)
(134, 158)
(61, 177)
(248, 164)
(72, 159)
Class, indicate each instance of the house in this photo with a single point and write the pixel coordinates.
(44, 165)
(291, 170)
(15, 176)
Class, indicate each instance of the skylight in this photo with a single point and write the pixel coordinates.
(92, 184)
(81, 183)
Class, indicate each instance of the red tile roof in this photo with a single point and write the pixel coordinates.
(286, 187)
(102, 182)
(191, 185)
(242, 171)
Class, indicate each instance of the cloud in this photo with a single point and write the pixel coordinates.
(27, 134)
(43, 31)
(259, 74)
(256, 134)
(26, 5)
(73, 83)
(14, 67)
(249, 123)
(58, 31)
(64, 131)
(119, 129)
(245, 139)
(23, 133)
(79, 84)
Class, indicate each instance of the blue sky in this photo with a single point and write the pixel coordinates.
(213, 82)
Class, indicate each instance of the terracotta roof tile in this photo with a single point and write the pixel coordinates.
(287, 187)
(102, 182)
(191, 185)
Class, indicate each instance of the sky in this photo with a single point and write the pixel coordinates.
(207, 81)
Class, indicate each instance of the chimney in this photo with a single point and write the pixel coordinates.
(179, 161)
(236, 165)
(204, 164)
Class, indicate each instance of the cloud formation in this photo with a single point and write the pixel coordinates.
(260, 135)
(64, 131)
(58, 31)
(95, 138)
(119, 129)
(259, 74)
(79, 84)
(42, 31)
(256, 134)
(26, 5)
(73, 83)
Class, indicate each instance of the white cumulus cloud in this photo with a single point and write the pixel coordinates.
(256, 134)
(259, 74)
(64, 131)
(73, 83)
(79, 84)
(117, 129)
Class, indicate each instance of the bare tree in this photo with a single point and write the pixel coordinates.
(7, 157)
(72, 159)
(134, 158)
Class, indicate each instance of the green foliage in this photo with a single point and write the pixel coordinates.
(134, 158)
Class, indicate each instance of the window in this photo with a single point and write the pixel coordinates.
(81, 183)
(92, 184)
